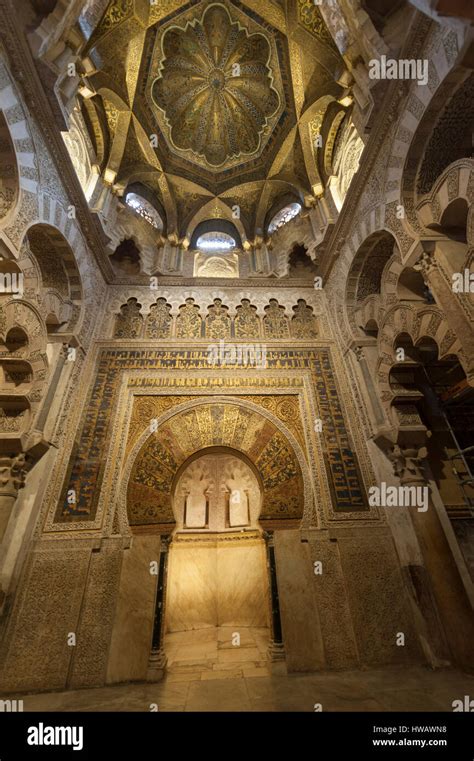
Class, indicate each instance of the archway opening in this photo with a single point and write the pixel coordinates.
(454, 220)
(217, 616)
(412, 287)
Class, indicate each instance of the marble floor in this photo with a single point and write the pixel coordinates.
(215, 653)
(207, 672)
(395, 689)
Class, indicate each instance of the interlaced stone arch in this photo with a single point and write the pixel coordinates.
(67, 241)
(24, 368)
(35, 206)
(451, 137)
(456, 182)
(417, 128)
(417, 322)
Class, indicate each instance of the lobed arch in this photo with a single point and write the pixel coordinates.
(24, 368)
(454, 219)
(455, 186)
(423, 322)
(448, 217)
(374, 307)
(66, 240)
(44, 239)
(422, 368)
(187, 318)
(80, 266)
(126, 257)
(376, 221)
(299, 261)
(243, 459)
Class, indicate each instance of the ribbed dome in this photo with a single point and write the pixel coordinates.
(215, 87)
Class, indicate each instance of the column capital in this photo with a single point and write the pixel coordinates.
(407, 463)
(426, 264)
(13, 470)
(268, 537)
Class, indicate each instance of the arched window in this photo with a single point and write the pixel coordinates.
(216, 241)
(284, 216)
(144, 209)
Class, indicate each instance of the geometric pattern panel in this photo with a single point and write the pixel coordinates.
(87, 462)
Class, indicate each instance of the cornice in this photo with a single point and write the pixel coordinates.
(214, 282)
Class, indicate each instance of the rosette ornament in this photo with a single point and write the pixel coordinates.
(215, 87)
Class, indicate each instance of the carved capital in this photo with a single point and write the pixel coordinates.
(407, 463)
(426, 264)
(268, 538)
(165, 543)
(13, 472)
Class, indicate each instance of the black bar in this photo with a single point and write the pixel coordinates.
(160, 588)
(276, 620)
(345, 735)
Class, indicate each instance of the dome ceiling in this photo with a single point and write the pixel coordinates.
(216, 91)
(209, 105)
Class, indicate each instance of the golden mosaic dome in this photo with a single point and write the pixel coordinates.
(209, 106)
(224, 84)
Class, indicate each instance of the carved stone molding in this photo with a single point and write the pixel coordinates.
(13, 472)
(408, 463)
(426, 264)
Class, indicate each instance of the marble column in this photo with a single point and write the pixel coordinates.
(276, 648)
(453, 605)
(260, 257)
(12, 478)
(157, 660)
(372, 396)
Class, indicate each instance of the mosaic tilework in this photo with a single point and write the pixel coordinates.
(208, 425)
(87, 463)
(284, 407)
